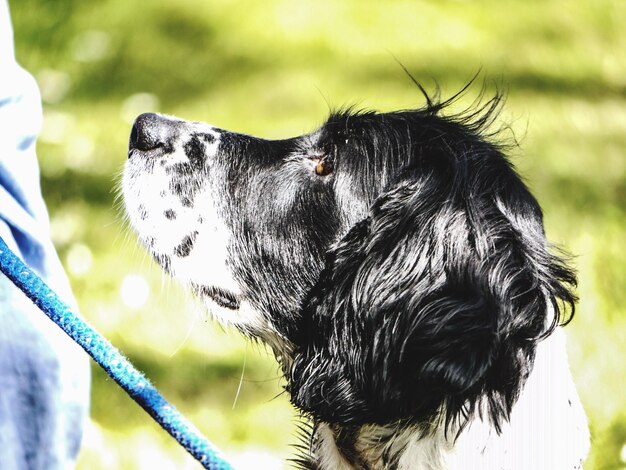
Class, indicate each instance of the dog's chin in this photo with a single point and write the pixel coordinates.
(230, 309)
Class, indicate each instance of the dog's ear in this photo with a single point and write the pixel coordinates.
(432, 306)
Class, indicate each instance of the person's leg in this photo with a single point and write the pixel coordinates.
(44, 376)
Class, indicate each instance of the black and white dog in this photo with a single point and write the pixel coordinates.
(397, 266)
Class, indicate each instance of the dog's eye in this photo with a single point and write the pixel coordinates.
(324, 167)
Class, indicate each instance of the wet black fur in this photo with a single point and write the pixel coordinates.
(433, 301)
(411, 284)
(437, 298)
(440, 295)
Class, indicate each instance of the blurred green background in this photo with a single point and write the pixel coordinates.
(272, 68)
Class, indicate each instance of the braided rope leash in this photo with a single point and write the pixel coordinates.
(112, 361)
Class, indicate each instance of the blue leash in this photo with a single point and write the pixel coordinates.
(112, 361)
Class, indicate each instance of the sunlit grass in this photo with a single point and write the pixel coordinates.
(274, 69)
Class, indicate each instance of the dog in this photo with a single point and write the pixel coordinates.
(397, 266)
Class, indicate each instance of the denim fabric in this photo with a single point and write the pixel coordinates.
(44, 376)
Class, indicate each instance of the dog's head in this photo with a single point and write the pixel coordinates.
(395, 261)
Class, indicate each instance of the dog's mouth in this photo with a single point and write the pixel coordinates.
(220, 296)
(154, 152)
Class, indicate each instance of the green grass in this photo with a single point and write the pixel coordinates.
(273, 69)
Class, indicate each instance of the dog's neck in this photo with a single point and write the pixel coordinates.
(396, 445)
(547, 409)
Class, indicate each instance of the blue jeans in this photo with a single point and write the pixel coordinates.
(44, 376)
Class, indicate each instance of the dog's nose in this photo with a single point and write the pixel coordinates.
(151, 131)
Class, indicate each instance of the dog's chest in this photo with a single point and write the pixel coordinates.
(379, 447)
